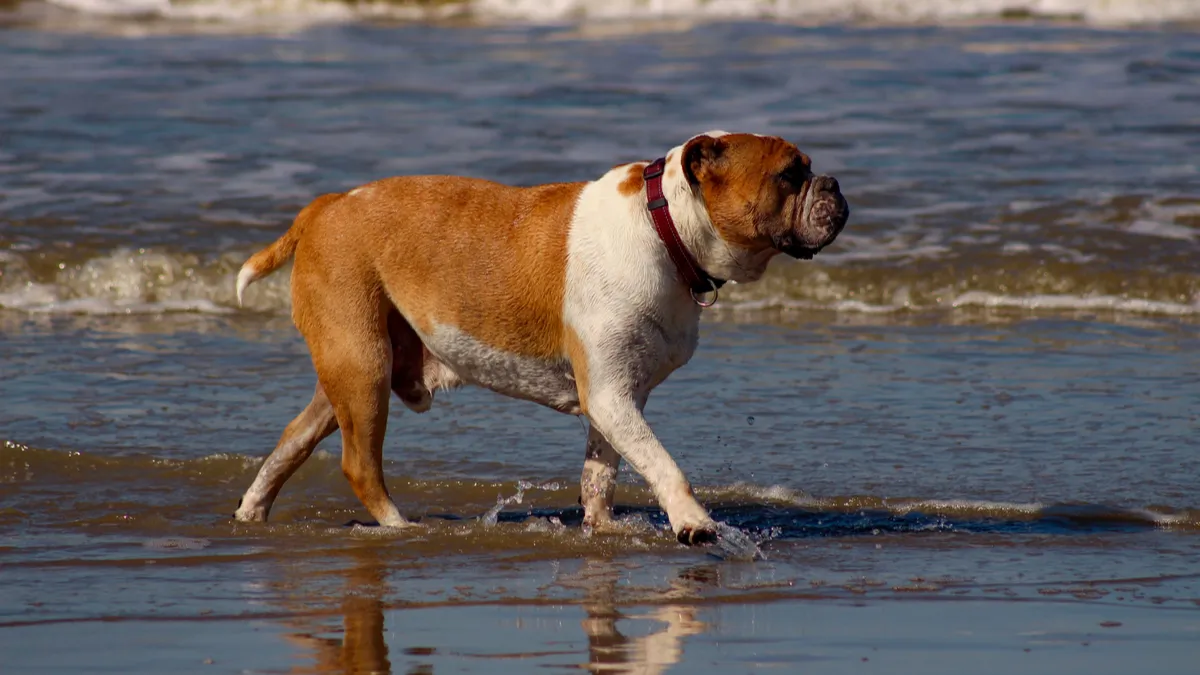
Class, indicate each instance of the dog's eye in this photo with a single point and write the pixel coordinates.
(795, 175)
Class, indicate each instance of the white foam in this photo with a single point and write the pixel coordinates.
(779, 493)
(1101, 12)
(972, 299)
(247, 462)
(1068, 254)
(1154, 228)
(117, 8)
(270, 14)
(145, 281)
(907, 242)
(772, 493)
(140, 281)
(1166, 520)
(787, 304)
(1075, 302)
(39, 300)
(1094, 11)
(963, 506)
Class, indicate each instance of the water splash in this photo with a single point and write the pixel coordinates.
(493, 514)
(734, 544)
(492, 517)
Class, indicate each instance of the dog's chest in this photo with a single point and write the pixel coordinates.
(546, 381)
(679, 339)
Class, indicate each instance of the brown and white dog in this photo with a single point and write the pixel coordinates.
(564, 294)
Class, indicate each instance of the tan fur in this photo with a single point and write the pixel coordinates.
(578, 358)
(634, 180)
(487, 259)
(739, 183)
(484, 257)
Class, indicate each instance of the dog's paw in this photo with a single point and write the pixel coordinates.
(603, 525)
(250, 514)
(696, 536)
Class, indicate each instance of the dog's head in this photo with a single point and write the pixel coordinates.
(762, 196)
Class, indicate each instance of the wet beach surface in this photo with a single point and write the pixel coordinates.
(965, 437)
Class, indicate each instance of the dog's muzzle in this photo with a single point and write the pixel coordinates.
(824, 214)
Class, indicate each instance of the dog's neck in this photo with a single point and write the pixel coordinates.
(719, 258)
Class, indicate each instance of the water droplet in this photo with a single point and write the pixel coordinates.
(750, 420)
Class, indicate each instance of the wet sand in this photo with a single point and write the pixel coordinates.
(942, 544)
(609, 615)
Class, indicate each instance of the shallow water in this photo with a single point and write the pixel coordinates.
(967, 430)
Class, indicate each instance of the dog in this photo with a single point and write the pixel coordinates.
(582, 297)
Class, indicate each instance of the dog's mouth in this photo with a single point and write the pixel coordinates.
(788, 244)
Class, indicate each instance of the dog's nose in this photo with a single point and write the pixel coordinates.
(827, 184)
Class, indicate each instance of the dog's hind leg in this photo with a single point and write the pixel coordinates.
(301, 436)
(598, 484)
(353, 356)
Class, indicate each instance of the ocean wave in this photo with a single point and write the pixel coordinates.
(1074, 303)
(39, 299)
(146, 281)
(1098, 12)
(133, 281)
(962, 509)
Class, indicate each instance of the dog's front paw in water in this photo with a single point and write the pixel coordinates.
(250, 513)
(690, 521)
(696, 536)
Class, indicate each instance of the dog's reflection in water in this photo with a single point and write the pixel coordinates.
(364, 649)
(610, 651)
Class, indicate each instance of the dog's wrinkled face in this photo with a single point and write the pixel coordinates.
(761, 193)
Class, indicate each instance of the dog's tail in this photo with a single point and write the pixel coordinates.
(274, 256)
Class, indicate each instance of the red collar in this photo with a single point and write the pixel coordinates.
(698, 281)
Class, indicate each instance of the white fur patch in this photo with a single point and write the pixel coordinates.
(549, 382)
(246, 276)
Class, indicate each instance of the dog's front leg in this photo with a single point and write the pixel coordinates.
(598, 484)
(619, 418)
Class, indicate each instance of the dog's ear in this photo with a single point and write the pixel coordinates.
(699, 157)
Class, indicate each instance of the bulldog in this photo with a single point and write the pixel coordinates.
(582, 297)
